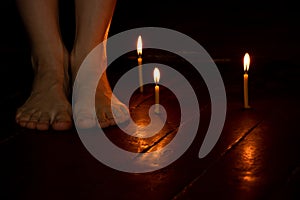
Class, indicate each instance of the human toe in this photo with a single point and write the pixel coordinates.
(84, 120)
(62, 121)
(32, 122)
(23, 118)
(44, 122)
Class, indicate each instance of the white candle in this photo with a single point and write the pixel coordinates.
(156, 110)
(246, 103)
(140, 60)
(156, 76)
(246, 69)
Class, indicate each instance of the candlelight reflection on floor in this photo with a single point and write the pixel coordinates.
(249, 163)
(148, 130)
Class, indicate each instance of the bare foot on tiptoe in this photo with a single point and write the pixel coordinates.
(48, 105)
(105, 101)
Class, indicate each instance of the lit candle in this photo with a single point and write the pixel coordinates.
(156, 75)
(246, 69)
(139, 52)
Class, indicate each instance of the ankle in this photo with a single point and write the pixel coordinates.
(52, 69)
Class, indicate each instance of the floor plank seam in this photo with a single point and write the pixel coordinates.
(240, 139)
(7, 139)
(159, 140)
(230, 148)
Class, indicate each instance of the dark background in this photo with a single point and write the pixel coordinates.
(268, 30)
(225, 28)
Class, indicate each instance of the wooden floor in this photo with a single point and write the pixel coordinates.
(256, 157)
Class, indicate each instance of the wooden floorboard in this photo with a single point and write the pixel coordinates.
(257, 155)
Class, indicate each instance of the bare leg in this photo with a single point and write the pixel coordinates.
(47, 105)
(93, 19)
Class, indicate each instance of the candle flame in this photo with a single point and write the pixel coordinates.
(156, 75)
(139, 46)
(246, 62)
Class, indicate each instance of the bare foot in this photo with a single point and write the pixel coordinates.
(105, 101)
(48, 105)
